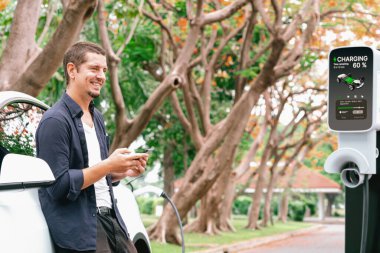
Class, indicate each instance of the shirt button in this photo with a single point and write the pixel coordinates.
(93, 215)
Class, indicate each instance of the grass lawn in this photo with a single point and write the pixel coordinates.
(196, 241)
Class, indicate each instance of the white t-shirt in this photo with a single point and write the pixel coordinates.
(103, 197)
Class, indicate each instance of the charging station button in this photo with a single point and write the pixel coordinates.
(357, 112)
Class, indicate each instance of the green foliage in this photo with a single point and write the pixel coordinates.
(164, 131)
(180, 7)
(18, 143)
(308, 60)
(54, 89)
(241, 205)
(274, 207)
(312, 205)
(297, 210)
(147, 205)
(244, 145)
(6, 18)
(142, 47)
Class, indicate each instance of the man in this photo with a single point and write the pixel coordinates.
(79, 207)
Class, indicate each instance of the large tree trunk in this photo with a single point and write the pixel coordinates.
(293, 167)
(240, 171)
(21, 45)
(267, 213)
(225, 218)
(31, 79)
(208, 219)
(283, 214)
(254, 212)
(168, 165)
(202, 174)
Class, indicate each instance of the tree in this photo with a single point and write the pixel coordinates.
(216, 144)
(22, 59)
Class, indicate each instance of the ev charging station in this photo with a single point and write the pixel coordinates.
(354, 114)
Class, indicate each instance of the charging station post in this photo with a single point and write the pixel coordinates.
(354, 114)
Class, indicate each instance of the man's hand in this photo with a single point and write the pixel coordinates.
(124, 163)
(120, 164)
(122, 160)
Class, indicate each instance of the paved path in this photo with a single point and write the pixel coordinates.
(328, 239)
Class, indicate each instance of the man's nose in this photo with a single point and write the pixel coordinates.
(101, 75)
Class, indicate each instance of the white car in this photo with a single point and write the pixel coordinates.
(22, 225)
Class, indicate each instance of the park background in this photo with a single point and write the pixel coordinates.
(229, 95)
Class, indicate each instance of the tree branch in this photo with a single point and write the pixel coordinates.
(244, 53)
(113, 61)
(21, 45)
(259, 6)
(189, 9)
(181, 116)
(32, 80)
(49, 16)
(224, 13)
(129, 37)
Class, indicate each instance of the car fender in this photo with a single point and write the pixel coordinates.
(23, 227)
(130, 213)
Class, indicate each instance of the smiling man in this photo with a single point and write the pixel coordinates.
(79, 207)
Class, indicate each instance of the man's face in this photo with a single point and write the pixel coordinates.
(90, 76)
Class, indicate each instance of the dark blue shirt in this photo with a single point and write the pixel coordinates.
(69, 211)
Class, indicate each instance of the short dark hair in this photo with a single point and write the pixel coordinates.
(77, 55)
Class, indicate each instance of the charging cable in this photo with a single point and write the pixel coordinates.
(161, 193)
(365, 216)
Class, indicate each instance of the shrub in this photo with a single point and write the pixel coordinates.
(274, 207)
(297, 210)
(312, 207)
(241, 205)
(146, 205)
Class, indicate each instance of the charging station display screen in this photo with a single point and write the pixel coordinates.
(350, 89)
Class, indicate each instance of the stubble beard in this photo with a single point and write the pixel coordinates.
(93, 94)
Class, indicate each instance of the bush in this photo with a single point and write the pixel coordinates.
(241, 205)
(297, 210)
(312, 207)
(274, 207)
(146, 205)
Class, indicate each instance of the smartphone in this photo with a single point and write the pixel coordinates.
(143, 150)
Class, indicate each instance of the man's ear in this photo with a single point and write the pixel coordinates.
(71, 70)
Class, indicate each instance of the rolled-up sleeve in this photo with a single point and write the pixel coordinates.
(53, 146)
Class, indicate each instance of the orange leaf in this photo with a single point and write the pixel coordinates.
(182, 24)
(3, 4)
(332, 3)
(177, 39)
(229, 61)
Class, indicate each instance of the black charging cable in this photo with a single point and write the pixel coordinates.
(159, 192)
(165, 196)
(365, 215)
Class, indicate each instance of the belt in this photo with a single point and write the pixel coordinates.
(103, 210)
